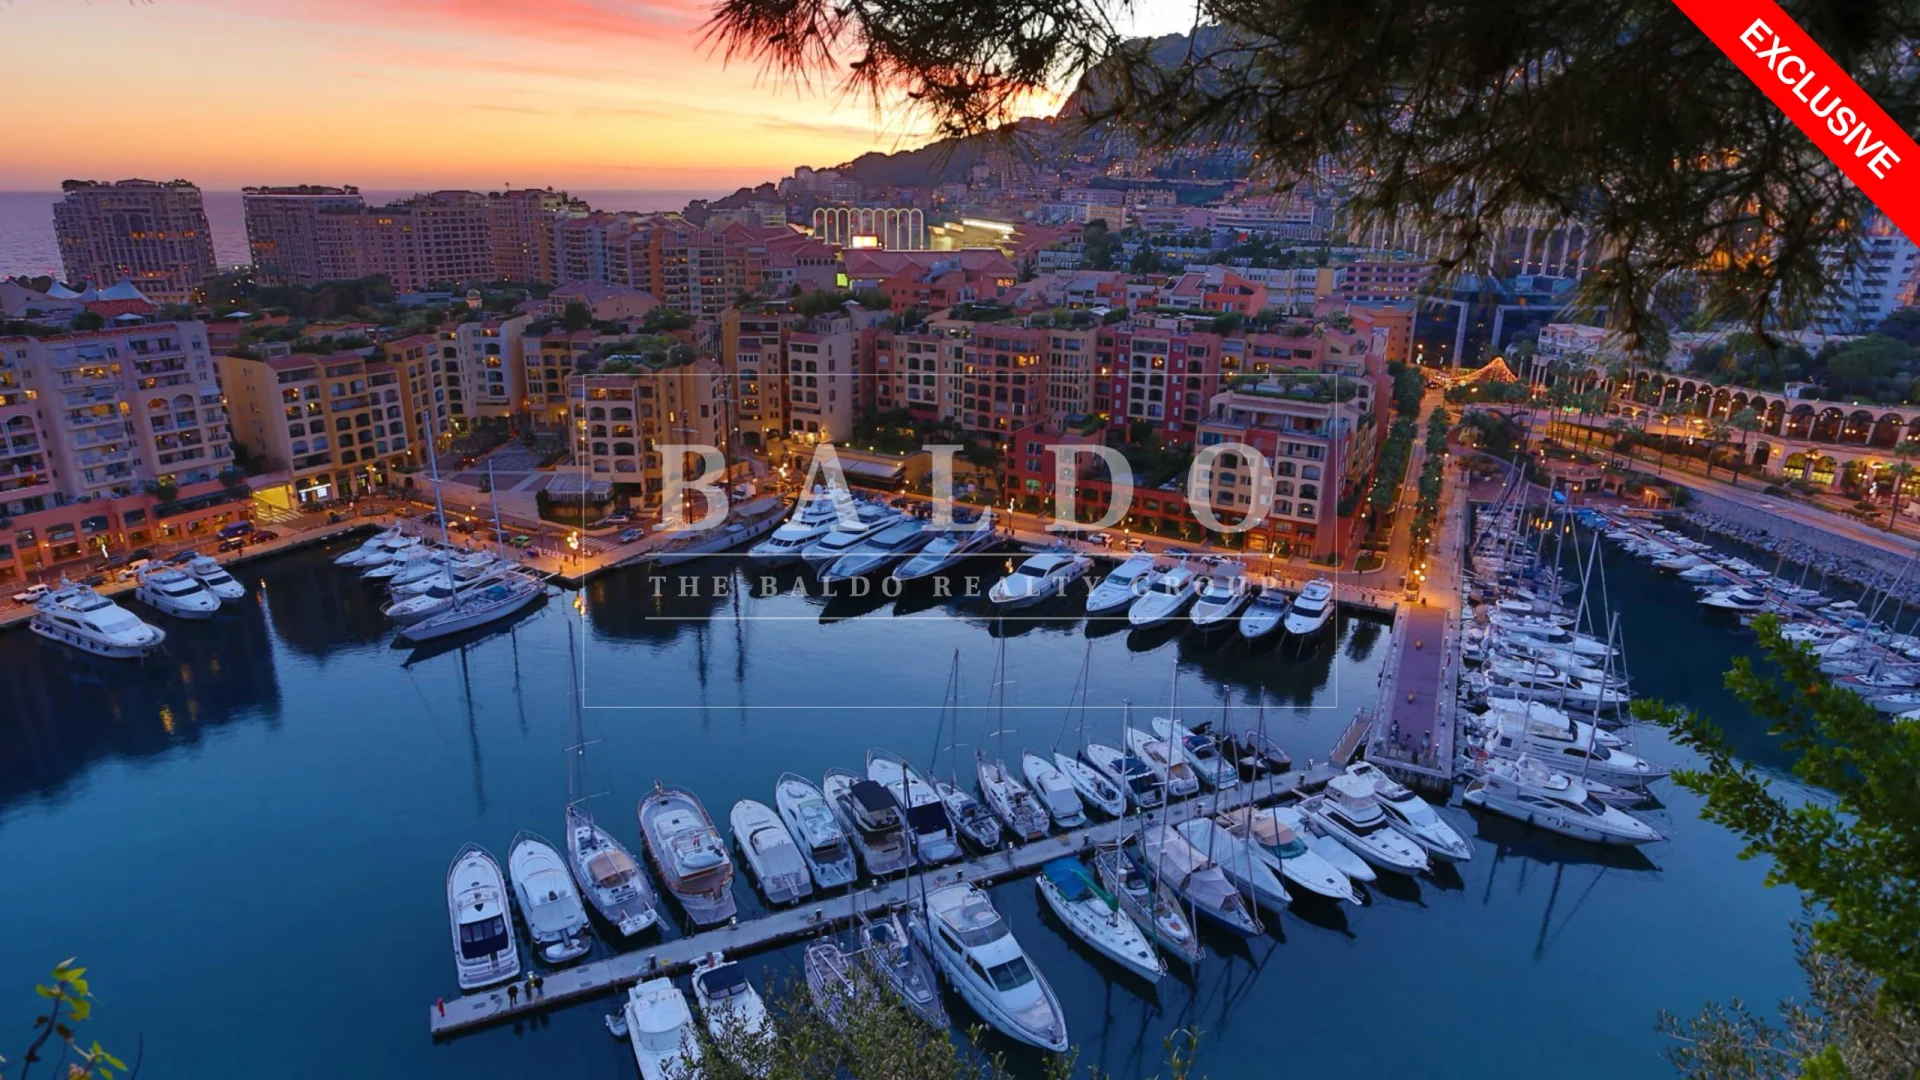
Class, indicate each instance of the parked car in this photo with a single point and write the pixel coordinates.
(94, 581)
(137, 567)
(628, 536)
(140, 553)
(462, 525)
(181, 558)
(233, 544)
(612, 521)
(238, 528)
(1100, 538)
(261, 536)
(522, 540)
(31, 595)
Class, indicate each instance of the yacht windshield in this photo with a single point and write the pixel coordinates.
(484, 938)
(184, 589)
(1031, 570)
(1011, 975)
(1292, 849)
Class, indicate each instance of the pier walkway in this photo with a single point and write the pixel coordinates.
(566, 986)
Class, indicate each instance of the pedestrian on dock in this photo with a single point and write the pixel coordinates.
(513, 994)
(536, 985)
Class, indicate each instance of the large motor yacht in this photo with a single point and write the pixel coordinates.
(1527, 791)
(982, 961)
(688, 853)
(175, 592)
(484, 952)
(75, 615)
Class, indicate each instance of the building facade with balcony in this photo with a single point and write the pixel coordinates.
(154, 234)
(336, 424)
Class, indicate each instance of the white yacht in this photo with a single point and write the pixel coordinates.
(772, 856)
(737, 1019)
(612, 882)
(1168, 763)
(1526, 790)
(1095, 789)
(687, 853)
(1122, 586)
(1040, 577)
(1572, 745)
(1223, 591)
(1265, 614)
(419, 601)
(812, 520)
(829, 974)
(660, 1027)
(1202, 752)
(816, 831)
(868, 518)
(1322, 843)
(1150, 904)
(214, 578)
(173, 592)
(434, 564)
(934, 842)
(1737, 600)
(877, 552)
(1010, 800)
(982, 961)
(462, 569)
(1278, 843)
(1097, 918)
(500, 600)
(1349, 812)
(976, 824)
(948, 548)
(1196, 879)
(76, 615)
(1239, 861)
(380, 544)
(1166, 598)
(1054, 789)
(869, 815)
(1538, 632)
(556, 919)
(484, 952)
(1311, 609)
(386, 551)
(904, 965)
(1412, 815)
(1134, 778)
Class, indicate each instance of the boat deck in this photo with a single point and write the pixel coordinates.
(594, 978)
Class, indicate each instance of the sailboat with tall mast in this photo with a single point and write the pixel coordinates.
(609, 877)
(975, 823)
(508, 596)
(1005, 795)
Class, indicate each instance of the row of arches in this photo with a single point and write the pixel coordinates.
(1877, 427)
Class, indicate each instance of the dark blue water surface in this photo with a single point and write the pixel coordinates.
(247, 840)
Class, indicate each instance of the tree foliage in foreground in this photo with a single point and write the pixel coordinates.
(1853, 852)
(69, 1001)
(873, 1035)
(1452, 117)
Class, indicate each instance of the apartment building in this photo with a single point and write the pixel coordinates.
(110, 440)
(1160, 374)
(752, 353)
(919, 371)
(1316, 439)
(283, 230)
(1878, 280)
(552, 356)
(151, 233)
(620, 419)
(335, 424)
(823, 375)
(482, 370)
(1376, 280)
(520, 231)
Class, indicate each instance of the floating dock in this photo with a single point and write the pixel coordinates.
(566, 986)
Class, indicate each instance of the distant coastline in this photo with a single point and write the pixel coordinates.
(27, 246)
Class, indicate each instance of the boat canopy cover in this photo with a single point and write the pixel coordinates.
(610, 867)
(872, 797)
(928, 817)
(1071, 880)
(723, 981)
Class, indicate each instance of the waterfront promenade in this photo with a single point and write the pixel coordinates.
(447, 1017)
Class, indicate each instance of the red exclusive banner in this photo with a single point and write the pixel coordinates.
(1820, 98)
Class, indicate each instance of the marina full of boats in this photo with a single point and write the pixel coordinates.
(1856, 642)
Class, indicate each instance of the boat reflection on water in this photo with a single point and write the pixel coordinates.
(61, 710)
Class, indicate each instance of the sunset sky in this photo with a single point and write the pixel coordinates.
(411, 93)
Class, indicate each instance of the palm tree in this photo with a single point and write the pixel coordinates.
(1666, 415)
(1903, 469)
(1745, 421)
(1717, 436)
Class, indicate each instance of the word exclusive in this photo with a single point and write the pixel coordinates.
(1825, 103)
(1821, 99)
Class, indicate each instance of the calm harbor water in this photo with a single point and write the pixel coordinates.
(247, 841)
